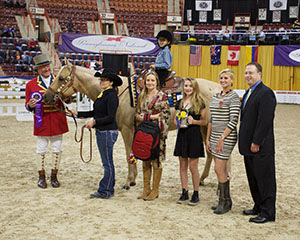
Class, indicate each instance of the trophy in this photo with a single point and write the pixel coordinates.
(182, 116)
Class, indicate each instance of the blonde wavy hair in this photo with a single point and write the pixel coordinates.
(144, 92)
(228, 71)
(197, 100)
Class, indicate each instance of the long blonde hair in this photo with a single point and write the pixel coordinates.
(144, 92)
(197, 100)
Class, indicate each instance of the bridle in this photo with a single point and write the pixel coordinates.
(67, 83)
(59, 94)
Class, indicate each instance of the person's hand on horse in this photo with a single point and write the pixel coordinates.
(32, 103)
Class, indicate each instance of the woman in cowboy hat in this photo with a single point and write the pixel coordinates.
(164, 57)
(49, 123)
(104, 121)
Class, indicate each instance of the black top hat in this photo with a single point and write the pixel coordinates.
(109, 73)
(165, 34)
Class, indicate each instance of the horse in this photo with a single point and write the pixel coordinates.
(71, 79)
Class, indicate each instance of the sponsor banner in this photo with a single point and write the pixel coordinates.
(203, 5)
(35, 10)
(278, 5)
(112, 44)
(287, 55)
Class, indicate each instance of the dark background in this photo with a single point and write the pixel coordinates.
(230, 7)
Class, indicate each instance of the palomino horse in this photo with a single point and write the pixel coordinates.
(71, 79)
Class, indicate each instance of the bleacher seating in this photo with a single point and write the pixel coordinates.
(140, 16)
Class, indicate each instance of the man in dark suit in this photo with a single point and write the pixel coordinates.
(256, 144)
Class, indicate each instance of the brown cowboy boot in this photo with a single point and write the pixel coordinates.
(156, 181)
(54, 182)
(147, 172)
(42, 179)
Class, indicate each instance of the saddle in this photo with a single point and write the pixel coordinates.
(173, 85)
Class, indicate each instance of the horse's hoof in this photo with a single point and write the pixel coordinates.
(201, 183)
(125, 187)
(132, 184)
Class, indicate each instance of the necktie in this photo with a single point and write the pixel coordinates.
(249, 93)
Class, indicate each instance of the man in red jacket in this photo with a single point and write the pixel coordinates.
(49, 123)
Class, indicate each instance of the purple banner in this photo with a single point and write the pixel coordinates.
(111, 44)
(287, 55)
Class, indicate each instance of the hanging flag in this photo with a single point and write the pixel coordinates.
(286, 55)
(233, 55)
(215, 54)
(195, 55)
(203, 5)
(278, 5)
(251, 54)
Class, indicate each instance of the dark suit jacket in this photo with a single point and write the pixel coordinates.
(257, 122)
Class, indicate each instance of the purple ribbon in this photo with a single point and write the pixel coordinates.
(38, 108)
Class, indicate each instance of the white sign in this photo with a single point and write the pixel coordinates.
(293, 12)
(262, 14)
(35, 10)
(111, 43)
(217, 14)
(276, 16)
(278, 5)
(23, 115)
(202, 16)
(107, 15)
(174, 19)
(203, 5)
(295, 55)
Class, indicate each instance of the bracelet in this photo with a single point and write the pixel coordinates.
(222, 137)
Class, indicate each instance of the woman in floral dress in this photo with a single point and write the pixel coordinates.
(153, 103)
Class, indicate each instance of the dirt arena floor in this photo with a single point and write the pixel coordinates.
(28, 212)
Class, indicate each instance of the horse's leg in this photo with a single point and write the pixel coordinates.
(206, 169)
(127, 135)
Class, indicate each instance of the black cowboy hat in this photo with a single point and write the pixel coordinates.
(109, 73)
(165, 34)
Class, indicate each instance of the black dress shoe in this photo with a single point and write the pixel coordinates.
(260, 219)
(250, 212)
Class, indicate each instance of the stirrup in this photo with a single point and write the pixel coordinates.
(171, 75)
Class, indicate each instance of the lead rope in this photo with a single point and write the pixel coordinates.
(80, 140)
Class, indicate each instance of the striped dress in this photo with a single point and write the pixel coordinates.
(224, 112)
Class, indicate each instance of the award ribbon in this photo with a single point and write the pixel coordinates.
(38, 108)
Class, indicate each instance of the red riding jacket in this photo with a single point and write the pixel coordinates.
(54, 122)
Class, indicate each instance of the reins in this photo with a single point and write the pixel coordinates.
(80, 140)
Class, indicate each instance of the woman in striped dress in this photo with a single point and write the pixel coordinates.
(222, 135)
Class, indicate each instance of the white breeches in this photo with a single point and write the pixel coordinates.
(42, 144)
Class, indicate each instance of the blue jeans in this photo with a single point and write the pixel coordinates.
(105, 141)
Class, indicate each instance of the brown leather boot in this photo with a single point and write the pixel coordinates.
(156, 182)
(54, 182)
(147, 172)
(42, 179)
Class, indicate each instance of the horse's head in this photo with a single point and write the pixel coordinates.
(62, 85)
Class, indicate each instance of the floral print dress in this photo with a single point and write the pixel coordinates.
(159, 104)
